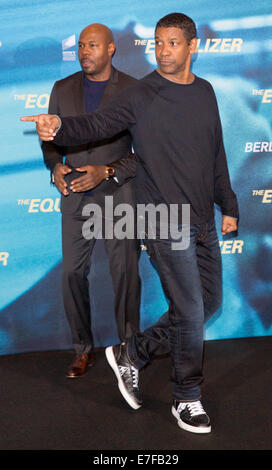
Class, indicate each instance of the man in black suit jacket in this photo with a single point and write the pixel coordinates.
(90, 173)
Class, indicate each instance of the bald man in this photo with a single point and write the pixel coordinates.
(88, 174)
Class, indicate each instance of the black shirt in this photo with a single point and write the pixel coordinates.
(177, 138)
(93, 92)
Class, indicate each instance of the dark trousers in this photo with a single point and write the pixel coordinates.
(191, 280)
(123, 261)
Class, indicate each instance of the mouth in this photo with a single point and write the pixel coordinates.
(165, 62)
(86, 62)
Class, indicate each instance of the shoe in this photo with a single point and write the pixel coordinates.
(191, 416)
(127, 375)
(79, 365)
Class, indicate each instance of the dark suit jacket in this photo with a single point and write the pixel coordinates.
(67, 99)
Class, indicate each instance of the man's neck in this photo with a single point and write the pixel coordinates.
(182, 78)
(101, 77)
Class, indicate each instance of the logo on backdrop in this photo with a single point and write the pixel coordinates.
(255, 147)
(4, 258)
(266, 94)
(67, 45)
(33, 100)
(213, 45)
(231, 246)
(264, 194)
(40, 205)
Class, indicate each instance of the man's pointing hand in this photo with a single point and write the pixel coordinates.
(46, 125)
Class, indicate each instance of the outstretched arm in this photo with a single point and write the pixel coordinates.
(98, 125)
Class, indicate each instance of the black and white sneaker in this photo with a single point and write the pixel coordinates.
(127, 375)
(191, 416)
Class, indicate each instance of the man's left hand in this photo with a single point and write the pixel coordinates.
(93, 176)
(229, 224)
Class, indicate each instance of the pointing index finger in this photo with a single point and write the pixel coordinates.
(30, 118)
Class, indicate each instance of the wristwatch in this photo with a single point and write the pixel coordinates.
(110, 172)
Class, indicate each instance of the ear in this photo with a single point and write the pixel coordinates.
(111, 49)
(193, 45)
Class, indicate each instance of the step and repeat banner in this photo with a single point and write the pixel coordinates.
(38, 45)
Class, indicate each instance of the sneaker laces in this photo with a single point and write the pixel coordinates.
(195, 408)
(134, 374)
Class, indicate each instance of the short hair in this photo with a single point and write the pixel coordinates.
(179, 20)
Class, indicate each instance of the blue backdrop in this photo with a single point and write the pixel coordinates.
(38, 45)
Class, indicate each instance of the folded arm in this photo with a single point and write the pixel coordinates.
(124, 169)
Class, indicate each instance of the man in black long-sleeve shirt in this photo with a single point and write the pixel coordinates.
(173, 118)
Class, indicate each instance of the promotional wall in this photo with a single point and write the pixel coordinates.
(38, 45)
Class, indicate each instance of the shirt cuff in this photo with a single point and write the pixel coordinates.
(57, 130)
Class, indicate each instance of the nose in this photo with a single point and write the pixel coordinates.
(164, 50)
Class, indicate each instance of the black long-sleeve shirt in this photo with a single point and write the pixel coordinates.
(177, 138)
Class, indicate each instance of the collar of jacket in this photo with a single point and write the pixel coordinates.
(108, 94)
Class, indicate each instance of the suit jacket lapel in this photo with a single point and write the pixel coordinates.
(110, 89)
(78, 94)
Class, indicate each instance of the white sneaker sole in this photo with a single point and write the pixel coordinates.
(112, 362)
(187, 427)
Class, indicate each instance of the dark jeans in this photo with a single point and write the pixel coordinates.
(192, 281)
